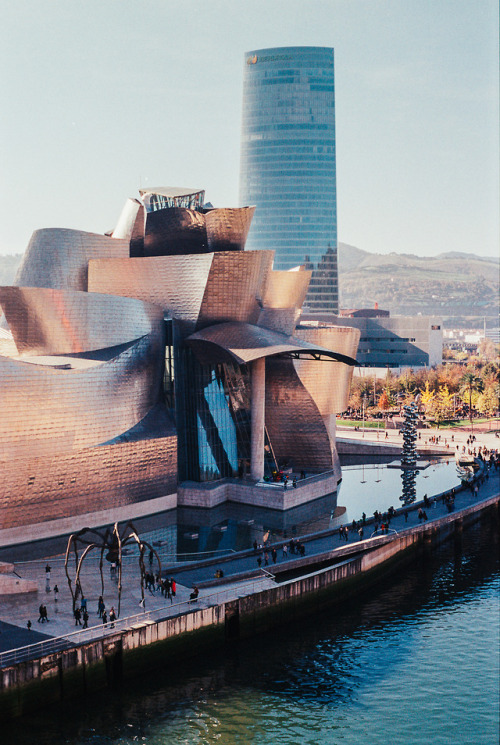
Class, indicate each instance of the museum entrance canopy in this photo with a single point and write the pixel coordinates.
(243, 343)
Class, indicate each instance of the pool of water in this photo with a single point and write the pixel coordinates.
(412, 661)
(196, 533)
(378, 487)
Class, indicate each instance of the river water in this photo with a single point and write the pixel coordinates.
(414, 660)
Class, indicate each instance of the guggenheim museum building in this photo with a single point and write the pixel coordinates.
(159, 365)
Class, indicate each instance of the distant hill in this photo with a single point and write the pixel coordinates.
(453, 284)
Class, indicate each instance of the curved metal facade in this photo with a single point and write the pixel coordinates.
(179, 231)
(58, 257)
(328, 384)
(45, 321)
(47, 409)
(91, 371)
(227, 228)
(244, 343)
(175, 283)
(295, 426)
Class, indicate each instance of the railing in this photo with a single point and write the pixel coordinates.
(129, 556)
(96, 633)
(386, 531)
(300, 482)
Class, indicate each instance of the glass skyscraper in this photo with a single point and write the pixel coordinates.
(288, 167)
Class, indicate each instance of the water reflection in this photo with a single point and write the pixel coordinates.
(201, 533)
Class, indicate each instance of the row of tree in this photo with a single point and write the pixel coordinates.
(444, 392)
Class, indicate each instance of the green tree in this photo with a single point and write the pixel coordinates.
(470, 382)
(427, 398)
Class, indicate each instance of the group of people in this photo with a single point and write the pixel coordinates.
(294, 546)
(82, 612)
(156, 583)
(42, 614)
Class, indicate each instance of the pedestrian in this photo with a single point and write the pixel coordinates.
(266, 559)
(40, 613)
(274, 555)
(78, 616)
(44, 613)
(104, 618)
(360, 533)
(285, 551)
(302, 549)
(29, 625)
(85, 619)
(56, 592)
(173, 587)
(83, 603)
(259, 561)
(100, 606)
(166, 585)
(112, 617)
(294, 482)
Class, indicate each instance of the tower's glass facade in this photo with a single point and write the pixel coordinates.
(288, 165)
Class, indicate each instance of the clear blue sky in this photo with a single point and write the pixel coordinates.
(101, 97)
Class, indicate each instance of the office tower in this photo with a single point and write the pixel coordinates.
(288, 163)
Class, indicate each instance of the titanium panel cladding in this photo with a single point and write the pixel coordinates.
(235, 285)
(328, 382)
(46, 409)
(244, 343)
(175, 283)
(45, 321)
(37, 489)
(227, 228)
(175, 231)
(294, 424)
(288, 166)
(58, 258)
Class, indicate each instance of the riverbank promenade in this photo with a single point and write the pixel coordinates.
(244, 573)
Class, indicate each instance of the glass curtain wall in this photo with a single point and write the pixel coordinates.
(288, 166)
(213, 414)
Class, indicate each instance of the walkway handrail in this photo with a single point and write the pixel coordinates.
(271, 576)
(95, 633)
(57, 559)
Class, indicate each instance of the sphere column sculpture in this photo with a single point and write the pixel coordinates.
(409, 454)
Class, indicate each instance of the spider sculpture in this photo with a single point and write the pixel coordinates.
(113, 541)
